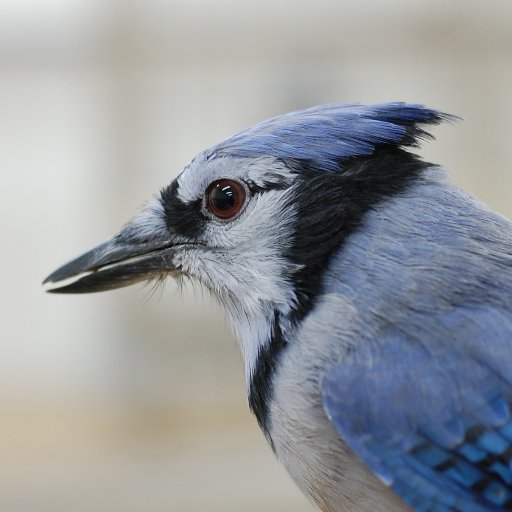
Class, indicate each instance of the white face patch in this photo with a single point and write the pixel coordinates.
(243, 261)
(196, 177)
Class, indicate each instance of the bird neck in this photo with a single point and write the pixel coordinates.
(261, 380)
(262, 334)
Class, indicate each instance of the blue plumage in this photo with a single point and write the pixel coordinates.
(429, 444)
(328, 134)
(424, 396)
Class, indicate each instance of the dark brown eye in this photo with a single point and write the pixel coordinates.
(225, 198)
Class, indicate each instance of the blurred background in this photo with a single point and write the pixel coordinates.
(132, 401)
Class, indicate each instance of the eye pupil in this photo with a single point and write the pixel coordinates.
(225, 198)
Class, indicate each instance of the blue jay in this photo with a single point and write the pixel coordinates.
(371, 297)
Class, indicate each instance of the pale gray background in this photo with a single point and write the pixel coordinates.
(117, 403)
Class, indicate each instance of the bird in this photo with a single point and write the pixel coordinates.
(371, 298)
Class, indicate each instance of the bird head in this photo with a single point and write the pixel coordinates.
(257, 217)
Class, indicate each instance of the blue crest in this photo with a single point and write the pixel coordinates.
(329, 134)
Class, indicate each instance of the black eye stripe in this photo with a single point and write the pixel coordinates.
(183, 218)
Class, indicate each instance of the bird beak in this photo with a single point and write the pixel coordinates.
(129, 257)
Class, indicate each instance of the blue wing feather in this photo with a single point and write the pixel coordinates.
(430, 415)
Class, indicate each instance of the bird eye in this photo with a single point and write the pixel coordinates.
(225, 198)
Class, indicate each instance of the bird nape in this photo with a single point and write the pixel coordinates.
(370, 296)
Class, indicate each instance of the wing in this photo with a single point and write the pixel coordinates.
(429, 412)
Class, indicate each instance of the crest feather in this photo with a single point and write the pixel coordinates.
(329, 134)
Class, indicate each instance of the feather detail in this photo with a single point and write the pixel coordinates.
(326, 135)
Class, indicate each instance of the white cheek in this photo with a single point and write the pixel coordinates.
(247, 271)
(264, 224)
